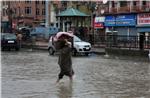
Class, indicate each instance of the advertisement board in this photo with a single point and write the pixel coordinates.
(126, 20)
(143, 19)
(110, 21)
(99, 22)
(121, 20)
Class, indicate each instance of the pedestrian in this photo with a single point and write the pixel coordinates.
(19, 39)
(65, 60)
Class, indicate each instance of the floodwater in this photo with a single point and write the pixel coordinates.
(27, 74)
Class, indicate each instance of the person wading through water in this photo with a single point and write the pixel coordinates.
(65, 60)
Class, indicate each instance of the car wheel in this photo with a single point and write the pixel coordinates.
(74, 52)
(51, 51)
(2, 48)
(9, 49)
(17, 48)
(86, 54)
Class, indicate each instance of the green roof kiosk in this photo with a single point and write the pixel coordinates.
(70, 17)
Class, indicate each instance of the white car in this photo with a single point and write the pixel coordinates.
(79, 46)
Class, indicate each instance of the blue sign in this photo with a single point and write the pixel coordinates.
(125, 20)
(120, 20)
(110, 21)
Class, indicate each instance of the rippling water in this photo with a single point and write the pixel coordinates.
(33, 75)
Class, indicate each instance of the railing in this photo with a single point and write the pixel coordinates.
(124, 9)
(128, 9)
(135, 9)
(113, 10)
(145, 8)
(122, 41)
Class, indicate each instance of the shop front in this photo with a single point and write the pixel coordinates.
(99, 25)
(143, 23)
(143, 28)
(123, 24)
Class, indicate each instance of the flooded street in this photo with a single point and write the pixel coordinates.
(28, 74)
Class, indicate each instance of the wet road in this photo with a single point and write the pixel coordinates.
(28, 74)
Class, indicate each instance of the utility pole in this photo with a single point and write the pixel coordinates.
(47, 14)
(9, 13)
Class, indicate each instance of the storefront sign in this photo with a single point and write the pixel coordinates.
(143, 19)
(125, 20)
(120, 20)
(98, 25)
(110, 21)
(98, 22)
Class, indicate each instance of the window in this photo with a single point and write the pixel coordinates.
(3, 2)
(43, 11)
(123, 3)
(27, 10)
(4, 12)
(113, 4)
(19, 10)
(144, 2)
(37, 2)
(43, 2)
(134, 3)
(37, 11)
(15, 10)
(27, 1)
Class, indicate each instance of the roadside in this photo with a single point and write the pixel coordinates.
(41, 45)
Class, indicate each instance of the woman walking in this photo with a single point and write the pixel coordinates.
(65, 61)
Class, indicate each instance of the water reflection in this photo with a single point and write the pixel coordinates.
(65, 90)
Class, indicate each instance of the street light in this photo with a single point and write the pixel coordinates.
(105, 1)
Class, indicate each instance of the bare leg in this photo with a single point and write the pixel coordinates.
(71, 79)
(60, 76)
(58, 80)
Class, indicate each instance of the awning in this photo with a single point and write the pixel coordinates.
(72, 12)
(144, 29)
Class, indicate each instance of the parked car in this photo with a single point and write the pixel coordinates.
(79, 46)
(9, 41)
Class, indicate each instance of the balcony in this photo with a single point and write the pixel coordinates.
(127, 9)
(111, 11)
(135, 9)
(124, 9)
(145, 8)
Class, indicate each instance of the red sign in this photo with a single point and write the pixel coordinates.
(98, 22)
(143, 19)
(98, 25)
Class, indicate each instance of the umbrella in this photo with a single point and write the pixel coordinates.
(60, 34)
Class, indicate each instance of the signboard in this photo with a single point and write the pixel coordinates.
(120, 20)
(125, 20)
(143, 19)
(99, 22)
(99, 19)
(110, 21)
(98, 25)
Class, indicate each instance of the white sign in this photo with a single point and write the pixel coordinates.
(99, 19)
(143, 19)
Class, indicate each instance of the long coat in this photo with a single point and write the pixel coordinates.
(65, 61)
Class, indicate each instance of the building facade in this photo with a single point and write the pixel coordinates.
(127, 17)
(27, 13)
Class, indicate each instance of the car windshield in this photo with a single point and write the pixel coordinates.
(10, 36)
(77, 39)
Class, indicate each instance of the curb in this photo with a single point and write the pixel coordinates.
(96, 52)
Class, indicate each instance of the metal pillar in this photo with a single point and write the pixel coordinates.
(47, 14)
